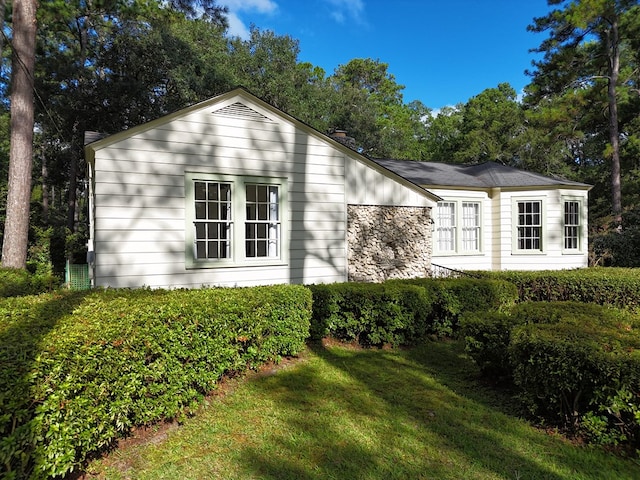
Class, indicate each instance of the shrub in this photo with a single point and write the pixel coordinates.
(80, 370)
(17, 282)
(616, 287)
(581, 365)
(371, 314)
(402, 311)
(487, 335)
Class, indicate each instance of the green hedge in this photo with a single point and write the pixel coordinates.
(487, 335)
(617, 287)
(17, 282)
(400, 312)
(79, 371)
(573, 364)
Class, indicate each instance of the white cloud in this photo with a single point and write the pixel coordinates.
(343, 10)
(237, 28)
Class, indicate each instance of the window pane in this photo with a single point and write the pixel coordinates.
(262, 193)
(262, 229)
(571, 224)
(445, 229)
(213, 210)
(529, 225)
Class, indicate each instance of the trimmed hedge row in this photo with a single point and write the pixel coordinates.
(401, 312)
(16, 282)
(80, 370)
(617, 287)
(574, 364)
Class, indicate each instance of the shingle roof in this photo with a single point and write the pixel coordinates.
(483, 175)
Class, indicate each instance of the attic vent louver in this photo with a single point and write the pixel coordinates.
(240, 110)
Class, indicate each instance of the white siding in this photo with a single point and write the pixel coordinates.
(367, 186)
(499, 230)
(481, 260)
(139, 197)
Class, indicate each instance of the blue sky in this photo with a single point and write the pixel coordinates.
(443, 51)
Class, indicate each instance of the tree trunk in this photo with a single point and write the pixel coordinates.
(614, 134)
(16, 230)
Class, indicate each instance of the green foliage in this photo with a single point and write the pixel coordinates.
(16, 282)
(578, 364)
(79, 371)
(573, 364)
(619, 248)
(371, 314)
(401, 312)
(616, 287)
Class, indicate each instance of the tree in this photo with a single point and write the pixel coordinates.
(16, 231)
(492, 124)
(584, 49)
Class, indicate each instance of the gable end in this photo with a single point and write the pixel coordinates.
(240, 110)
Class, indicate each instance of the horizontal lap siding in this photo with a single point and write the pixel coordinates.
(474, 261)
(139, 201)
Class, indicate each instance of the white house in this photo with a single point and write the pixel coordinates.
(494, 217)
(233, 191)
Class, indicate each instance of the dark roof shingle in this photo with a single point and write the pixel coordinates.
(483, 175)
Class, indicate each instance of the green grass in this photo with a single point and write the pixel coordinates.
(342, 413)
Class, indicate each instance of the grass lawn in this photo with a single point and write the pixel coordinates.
(340, 413)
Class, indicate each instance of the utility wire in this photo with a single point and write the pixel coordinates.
(31, 76)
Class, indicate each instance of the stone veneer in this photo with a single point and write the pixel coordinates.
(388, 242)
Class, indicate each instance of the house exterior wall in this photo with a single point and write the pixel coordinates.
(461, 260)
(499, 225)
(388, 242)
(553, 255)
(140, 202)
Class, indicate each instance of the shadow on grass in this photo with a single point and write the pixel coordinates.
(26, 321)
(417, 413)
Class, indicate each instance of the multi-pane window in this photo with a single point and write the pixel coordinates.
(529, 225)
(571, 225)
(234, 220)
(262, 223)
(446, 227)
(470, 226)
(212, 220)
(457, 227)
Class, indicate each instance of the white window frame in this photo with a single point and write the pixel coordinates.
(456, 227)
(272, 227)
(579, 226)
(516, 248)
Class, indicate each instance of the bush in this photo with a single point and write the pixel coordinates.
(573, 364)
(402, 311)
(564, 368)
(616, 287)
(80, 370)
(17, 282)
(371, 314)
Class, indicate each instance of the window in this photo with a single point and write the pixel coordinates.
(470, 226)
(571, 225)
(529, 225)
(233, 220)
(446, 226)
(212, 220)
(457, 227)
(262, 227)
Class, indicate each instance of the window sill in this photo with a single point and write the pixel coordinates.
(246, 264)
(458, 254)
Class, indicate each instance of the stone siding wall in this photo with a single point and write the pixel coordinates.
(388, 242)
